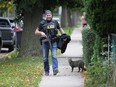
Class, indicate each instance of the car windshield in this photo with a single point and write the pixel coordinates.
(11, 20)
(4, 23)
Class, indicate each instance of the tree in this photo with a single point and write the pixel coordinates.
(70, 17)
(70, 12)
(100, 15)
(64, 17)
(5, 5)
(31, 12)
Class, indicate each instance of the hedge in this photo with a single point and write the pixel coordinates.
(88, 42)
(101, 16)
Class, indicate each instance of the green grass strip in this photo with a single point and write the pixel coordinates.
(21, 72)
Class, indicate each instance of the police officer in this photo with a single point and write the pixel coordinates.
(47, 29)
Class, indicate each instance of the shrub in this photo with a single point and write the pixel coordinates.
(100, 74)
(88, 42)
(97, 49)
(100, 15)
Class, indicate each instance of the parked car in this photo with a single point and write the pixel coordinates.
(16, 25)
(0, 41)
(6, 34)
(18, 28)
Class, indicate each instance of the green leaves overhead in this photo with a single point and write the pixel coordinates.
(50, 4)
(6, 5)
(101, 15)
(27, 5)
(71, 3)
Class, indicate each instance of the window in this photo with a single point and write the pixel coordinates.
(4, 23)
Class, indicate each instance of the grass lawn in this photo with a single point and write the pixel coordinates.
(67, 30)
(21, 72)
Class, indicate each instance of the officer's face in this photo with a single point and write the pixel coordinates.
(48, 16)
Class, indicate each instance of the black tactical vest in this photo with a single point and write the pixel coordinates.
(50, 28)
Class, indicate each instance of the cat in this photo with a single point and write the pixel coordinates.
(77, 63)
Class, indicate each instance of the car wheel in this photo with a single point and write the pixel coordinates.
(11, 48)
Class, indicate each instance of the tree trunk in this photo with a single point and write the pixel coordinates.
(64, 18)
(75, 17)
(78, 16)
(69, 13)
(30, 45)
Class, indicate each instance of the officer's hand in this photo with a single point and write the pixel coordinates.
(43, 34)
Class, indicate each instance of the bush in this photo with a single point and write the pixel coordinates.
(88, 43)
(98, 46)
(100, 15)
(100, 74)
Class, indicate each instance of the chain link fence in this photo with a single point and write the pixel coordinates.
(112, 56)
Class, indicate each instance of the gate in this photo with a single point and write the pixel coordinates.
(112, 54)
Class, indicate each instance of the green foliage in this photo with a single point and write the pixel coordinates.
(27, 6)
(100, 49)
(6, 5)
(21, 72)
(68, 30)
(88, 42)
(71, 3)
(101, 18)
(50, 4)
(99, 74)
(101, 15)
(97, 49)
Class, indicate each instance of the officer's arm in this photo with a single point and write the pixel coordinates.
(61, 31)
(37, 32)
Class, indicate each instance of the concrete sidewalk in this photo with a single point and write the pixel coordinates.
(74, 48)
(66, 78)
